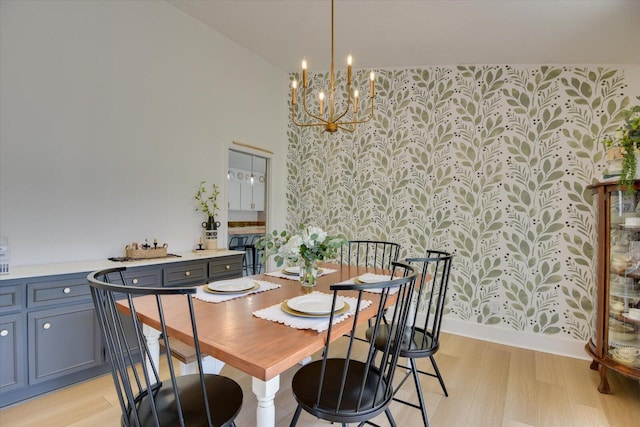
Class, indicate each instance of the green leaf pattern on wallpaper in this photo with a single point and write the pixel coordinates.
(532, 278)
(488, 162)
(596, 109)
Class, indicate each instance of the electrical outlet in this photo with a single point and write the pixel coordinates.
(494, 306)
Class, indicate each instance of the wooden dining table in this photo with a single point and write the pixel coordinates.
(229, 332)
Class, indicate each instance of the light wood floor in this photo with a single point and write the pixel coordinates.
(489, 385)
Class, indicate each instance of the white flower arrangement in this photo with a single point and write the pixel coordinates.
(308, 245)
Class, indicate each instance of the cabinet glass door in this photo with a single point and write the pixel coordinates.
(624, 280)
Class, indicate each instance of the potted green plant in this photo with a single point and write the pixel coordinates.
(626, 141)
(208, 204)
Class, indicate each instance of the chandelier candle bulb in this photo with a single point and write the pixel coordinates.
(304, 73)
(349, 59)
(321, 97)
(371, 78)
(355, 101)
(294, 85)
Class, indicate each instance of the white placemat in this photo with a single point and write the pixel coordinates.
(203, 295)
(280, 274)
(371, 277)
(319, 324)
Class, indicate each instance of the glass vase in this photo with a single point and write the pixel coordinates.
(309, 273)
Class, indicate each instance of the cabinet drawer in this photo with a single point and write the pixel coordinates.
(63, 341)
(11, 298)
(138, 277)
(185, 274)
(225, 267)
(68, 290)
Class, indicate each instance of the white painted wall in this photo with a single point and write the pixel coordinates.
(111, 113)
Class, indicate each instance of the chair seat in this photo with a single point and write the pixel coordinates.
(225, 400)
(305, 391)
(416, 346)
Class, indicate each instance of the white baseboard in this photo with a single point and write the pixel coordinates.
(538, 342)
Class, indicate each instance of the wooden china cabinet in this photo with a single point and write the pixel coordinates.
(615, 343)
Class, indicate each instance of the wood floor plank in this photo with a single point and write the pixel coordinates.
(547, 368)
(588, 416)
(462, 381)
(489, 385)
(488, 404)
(553, 404)
(520, 392)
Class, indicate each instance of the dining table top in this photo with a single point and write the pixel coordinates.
(230, 332)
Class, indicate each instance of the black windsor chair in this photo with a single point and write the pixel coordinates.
(349, 386)
(238, 243)
(422, 337)
(146, 399)
(253, 255)
(370, 253)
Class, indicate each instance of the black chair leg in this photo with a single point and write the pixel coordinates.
(435, 368)
(390, 417)
(416, 380)
(296, 415)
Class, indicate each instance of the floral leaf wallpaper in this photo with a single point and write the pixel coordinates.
(488, 162)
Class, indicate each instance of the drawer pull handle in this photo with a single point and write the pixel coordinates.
(134, 281)
(46, 325)
(66, 290)
(4, 333)
(227, 267)
(187, 273)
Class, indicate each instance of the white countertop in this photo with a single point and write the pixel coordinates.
(36, 270)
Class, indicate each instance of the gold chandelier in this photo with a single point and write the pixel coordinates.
(333, 121)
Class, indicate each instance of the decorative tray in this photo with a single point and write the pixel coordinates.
(158, 252)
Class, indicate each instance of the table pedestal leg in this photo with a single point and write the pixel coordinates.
(211, 365)
(305, 361)
(152, 337)
(265, 393)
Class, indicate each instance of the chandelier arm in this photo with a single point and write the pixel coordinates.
(309, 124)
(304, 104)
(293, 119)
(345, 111)
(333, 119)
(357, 122)
(346, 128)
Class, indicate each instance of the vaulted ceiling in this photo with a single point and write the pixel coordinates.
(405, 33)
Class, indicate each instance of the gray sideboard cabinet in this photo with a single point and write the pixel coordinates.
(49, 335)
(12, 338)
